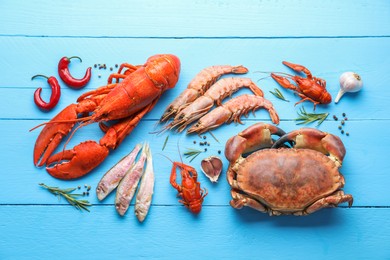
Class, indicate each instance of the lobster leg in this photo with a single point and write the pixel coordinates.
(104, 90)
(84, 157)
(305, 98)
(120, 75)
(130, 68)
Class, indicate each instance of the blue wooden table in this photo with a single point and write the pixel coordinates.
(329, 37)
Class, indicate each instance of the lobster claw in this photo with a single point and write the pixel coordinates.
(75, 163)
(52, 133)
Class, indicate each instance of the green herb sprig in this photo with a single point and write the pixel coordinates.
(278, 94)
(69, 196)
(165, 143)
(192, 153)
(306, 118)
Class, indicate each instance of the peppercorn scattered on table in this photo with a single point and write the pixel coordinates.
(329, 37)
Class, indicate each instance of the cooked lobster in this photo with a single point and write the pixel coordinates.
(126, 102)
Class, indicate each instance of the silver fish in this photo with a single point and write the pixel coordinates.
(111, 179)
(129, 183)
(145, 191)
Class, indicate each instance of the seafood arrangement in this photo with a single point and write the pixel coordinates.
(192, 105)
(125, 176)
(294, 174)
(145, 82)
(280, 180)
(308, 88)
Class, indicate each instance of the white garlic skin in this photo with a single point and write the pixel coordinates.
(349, 82)
(212, 167)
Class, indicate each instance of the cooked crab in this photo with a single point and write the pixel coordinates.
(284, 181)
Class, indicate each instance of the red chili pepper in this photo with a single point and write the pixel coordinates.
(55, 93)
(64, 73)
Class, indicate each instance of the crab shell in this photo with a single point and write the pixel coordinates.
(283, 181)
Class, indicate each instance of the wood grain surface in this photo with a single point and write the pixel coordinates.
(328, 37)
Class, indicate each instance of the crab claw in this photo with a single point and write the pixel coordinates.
(51, 135)
(75, 163)
(314, 139)
(258, 136)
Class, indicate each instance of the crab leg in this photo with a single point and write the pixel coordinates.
(332, 200)
(240, 200)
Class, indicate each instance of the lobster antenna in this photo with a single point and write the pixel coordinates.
(163, 130)
(178, 149)
(263, 78)
(165, 157)
(61, 121)
(87, 122)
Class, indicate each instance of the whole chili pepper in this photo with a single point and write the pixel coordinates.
(65, 75)
(55, 94)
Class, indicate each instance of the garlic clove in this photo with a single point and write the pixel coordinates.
(349, 82)
(212, 167)
(339, 95)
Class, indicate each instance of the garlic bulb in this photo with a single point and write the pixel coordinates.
(212, 167)
(349, 82)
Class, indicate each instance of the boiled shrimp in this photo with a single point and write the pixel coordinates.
(198, 86)
(215, 94)
(232, 111)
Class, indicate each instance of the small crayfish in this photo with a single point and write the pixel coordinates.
(190, 192)
(310, 88)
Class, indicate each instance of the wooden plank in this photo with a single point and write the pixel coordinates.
(363, 166)
(326, 58)
(195, 18)
(220, 232)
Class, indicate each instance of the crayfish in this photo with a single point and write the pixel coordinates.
(310, 88)
(123, 104)
(190, 192)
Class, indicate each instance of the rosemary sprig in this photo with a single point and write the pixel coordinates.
(69, 196)
(306, 118)
(192, 153)
(165, 142)
(278, 94)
